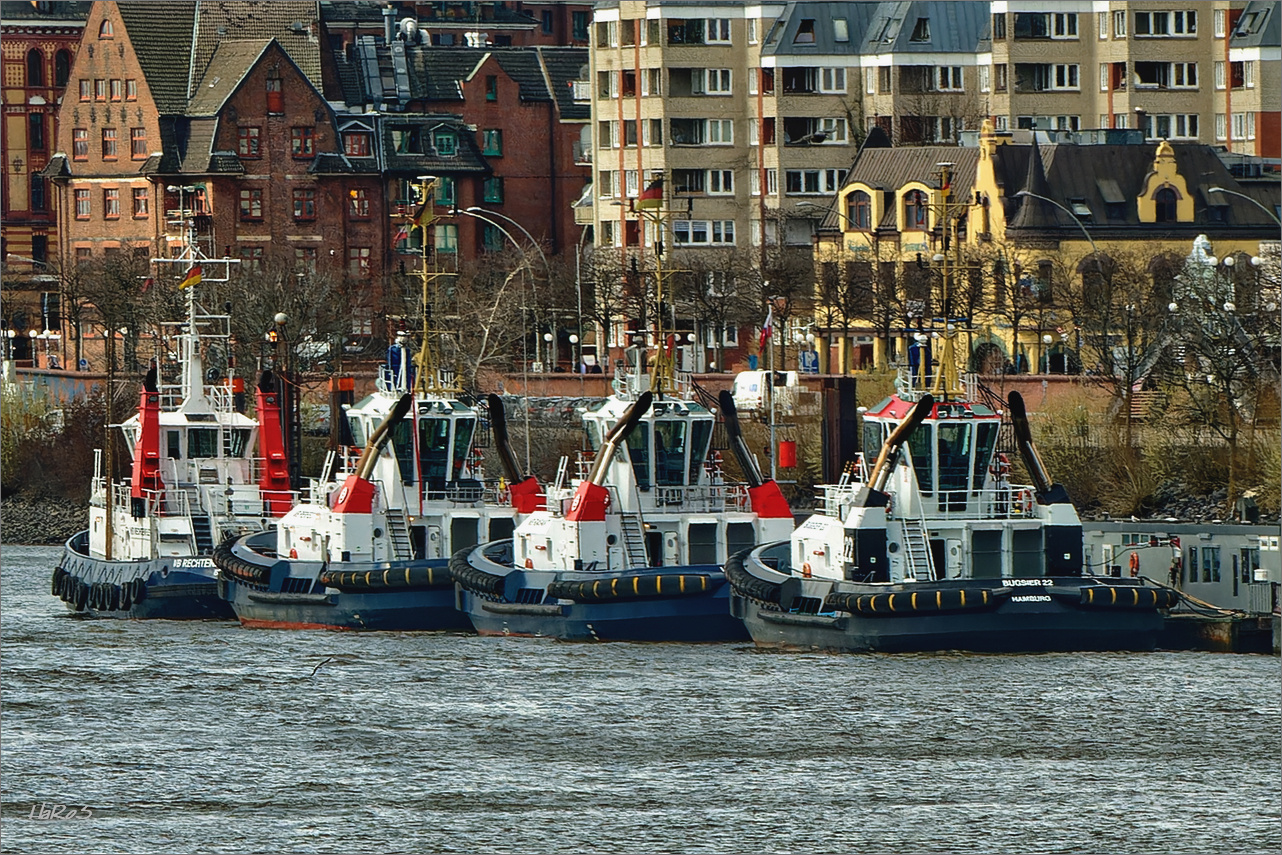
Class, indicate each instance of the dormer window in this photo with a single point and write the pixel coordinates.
(805, 32)
(859, 210)
(105, 30)
(356, 144)
(1165, 205)
(915, 210)
(446, 143)
(1080, 208)
(921, 31)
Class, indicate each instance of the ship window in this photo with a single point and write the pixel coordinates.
(593, 430)
(463, 531)
(921, 448)
(638, 444)
(433, 451)
(702, 538)
(239, 441)
(202, 442)
(701, 436)
(403, 443)
(872, 441)
(985, 442)
(954, 455)
(358, 435)
(669, 453)
(740, 536)
(174, 440)
(1210, 564)
(463, 429)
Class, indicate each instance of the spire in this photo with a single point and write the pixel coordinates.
(1035, 213)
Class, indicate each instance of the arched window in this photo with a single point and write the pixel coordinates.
(61, 67)
(1164, 200)
(859, 210)
(106, 31)
(35, 68)
(915, 210)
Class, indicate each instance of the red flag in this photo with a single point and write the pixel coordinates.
(767, 329)
(652, 196)
(401, 234)
(147, 283)
(191, 277)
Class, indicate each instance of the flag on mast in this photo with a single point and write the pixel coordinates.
(652, 196)
(191, 277)
(767, 328)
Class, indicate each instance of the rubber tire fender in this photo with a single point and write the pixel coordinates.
(474, 580)
(750, 586)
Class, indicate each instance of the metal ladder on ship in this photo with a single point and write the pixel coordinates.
(917, 550)
(202, 531)
(634, 540)
(399, 531)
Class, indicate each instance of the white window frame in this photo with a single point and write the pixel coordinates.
(1221, 126)
(1181, 69)
(612, 33)
(1068, 123)
(870, 80)
(1218, 18)
(1248, 74)
(985, 78)
(1184, 23)
(1103, 25)
(949, 78)
(1119, 24)
(826, 180)
(1221, 74)
(1250, 125)
(717, 31)
(1103, 76)
(1001, 123)
(723, 126)
(1103, 120)
(1063, 25)
(752, 31)
(719, 182)
(835, 131)
(1072, 77)
(711, 232)
(832, 80)
(717, 81)
(631, 183)
(1239, 126)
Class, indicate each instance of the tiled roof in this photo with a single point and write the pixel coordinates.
(161, 35)
(435, 73)
(57, 167)
(365, 12)
(349, 79)
(565, 65)
(291, 22)
(197, 144)
(467, 157)
(231, 62)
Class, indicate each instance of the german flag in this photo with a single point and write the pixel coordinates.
(191, 277)
(652, 196)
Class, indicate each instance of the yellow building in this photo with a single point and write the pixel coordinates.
(995, 239)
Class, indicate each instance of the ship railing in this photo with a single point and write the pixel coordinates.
(702, 498)
(221, 398)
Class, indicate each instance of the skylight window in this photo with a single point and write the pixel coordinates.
(921, 32)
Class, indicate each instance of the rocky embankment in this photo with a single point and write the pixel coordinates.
(40, 522)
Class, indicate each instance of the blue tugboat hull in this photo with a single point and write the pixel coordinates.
(171, 588)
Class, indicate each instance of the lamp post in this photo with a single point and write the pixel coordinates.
(551, 351)
(1080, 224)
(1254, 202)
(1046, 351)
(474, 212)
(35, 355)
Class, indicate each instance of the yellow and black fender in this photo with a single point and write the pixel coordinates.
(403, 578)
(923, 601)
(1132, 597)
(636, 586)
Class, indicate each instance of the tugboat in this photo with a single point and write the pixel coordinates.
(633, 550)
(147, 551)
(934, 549)
(371, 551)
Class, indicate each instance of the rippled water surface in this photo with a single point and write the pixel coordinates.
(184, 737)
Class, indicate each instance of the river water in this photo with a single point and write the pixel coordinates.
(206, 737)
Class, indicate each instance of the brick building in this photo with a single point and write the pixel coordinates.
(39, 46)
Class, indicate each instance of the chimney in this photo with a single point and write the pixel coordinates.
(388, 13)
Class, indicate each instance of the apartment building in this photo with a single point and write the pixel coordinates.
(1248, 80)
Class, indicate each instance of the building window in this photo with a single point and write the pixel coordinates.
(493, 189)
(921, 31)
(301, 142)
(999, 26)
(111, 203)
(100, 90)
(117, 89)
(36, 131)
(248, 142)
(547, 22)
(358, 262)
(1165, 200)
(719, 31)
(356, 144)
(35, 68)
(105, 30)
(108, 143)
(359, 204)
(1221, 126)
(251, 259)
(38, 202)
(579, 26)
(251, 204)
(305, 204)
(1178, 126)
(79, 144)
(949, 78)
(141, 203)
(811, 181)
(491, 238)
(305, 259)
(1218, 23)
(491, 88)
(859, 211)
(86, 90)
(1000, 71)
(446, 237)
(131, 90)
(275, 96)
(61, 68)
(446, 143)
(138, 143)
(703, 232)
(492, 143)
(1119, 24)
(1166, 24)
(915, 210)
(445, 190)
(82, 204)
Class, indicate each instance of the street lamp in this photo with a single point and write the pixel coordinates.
(473, 212)
(552, 355)
(35, 357)
(1046, 350)
(1254, 202)
(1080, 224)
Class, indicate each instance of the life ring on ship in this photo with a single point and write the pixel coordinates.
(1024, 500)
(805, 570)
(1135, 563)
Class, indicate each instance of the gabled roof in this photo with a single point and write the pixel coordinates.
(435, 73)
(231, 62)
(292, 23)
(161, 35)
(467, 157)
(888, 169)
(564, 66)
